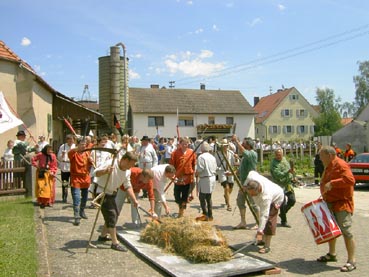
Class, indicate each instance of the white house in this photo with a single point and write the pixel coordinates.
(196, 112)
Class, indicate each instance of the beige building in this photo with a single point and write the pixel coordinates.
(284, 116)
(37, 104)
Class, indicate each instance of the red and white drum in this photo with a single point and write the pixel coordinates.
(320, 220)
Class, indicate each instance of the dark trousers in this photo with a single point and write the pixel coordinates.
(318, 172)
(288, 203)
(206, 204)
(181, 193)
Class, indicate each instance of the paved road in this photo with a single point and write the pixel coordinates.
(62, 245)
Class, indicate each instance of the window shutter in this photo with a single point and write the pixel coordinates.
(279, 129)
(292, 129)
(270, 129)
(291, 113)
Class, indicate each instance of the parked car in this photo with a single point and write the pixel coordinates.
(360, 167)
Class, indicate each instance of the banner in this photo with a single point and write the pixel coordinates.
(117, 125)
(7, 119)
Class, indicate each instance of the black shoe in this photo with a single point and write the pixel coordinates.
(119, 247)
(83, 215)
(77, 221)
(42, 206)
(103, 239)
(285, 224)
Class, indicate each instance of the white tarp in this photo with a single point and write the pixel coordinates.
(7, 119)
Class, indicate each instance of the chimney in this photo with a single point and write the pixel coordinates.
(154, 86)
(202, 86)
(256, 100)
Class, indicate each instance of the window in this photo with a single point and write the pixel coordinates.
(301, 129)
(211, 120)
(301, 113)
(185, 121)
(154, 121)
(288, 129)
(229, 120)
(294, 97)
(287, 113)
(273, 129)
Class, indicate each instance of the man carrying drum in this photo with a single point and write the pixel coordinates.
(337, 189)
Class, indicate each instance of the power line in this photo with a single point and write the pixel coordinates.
(283, 55)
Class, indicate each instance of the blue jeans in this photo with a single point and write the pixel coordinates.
(79, 197)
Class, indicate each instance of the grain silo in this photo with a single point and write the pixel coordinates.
(113, 86)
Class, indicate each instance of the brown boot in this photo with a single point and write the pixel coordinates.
(180, 213)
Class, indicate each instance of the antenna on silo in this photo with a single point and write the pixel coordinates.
(86, 93)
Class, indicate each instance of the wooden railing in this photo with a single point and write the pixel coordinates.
(12, 178)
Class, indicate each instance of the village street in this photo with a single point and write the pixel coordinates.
(63, 246)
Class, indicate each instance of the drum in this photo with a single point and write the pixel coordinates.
(320, 220)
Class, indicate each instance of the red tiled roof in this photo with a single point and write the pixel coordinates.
(267, 104)
(7, 54)
(346, 120)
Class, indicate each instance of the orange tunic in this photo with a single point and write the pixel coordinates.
(341, 196)
(137, 184)
(79, 169)
(185, 165)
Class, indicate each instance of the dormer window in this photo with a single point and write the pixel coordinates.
(294, 97)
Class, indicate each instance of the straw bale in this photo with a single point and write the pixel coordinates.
(196, 241)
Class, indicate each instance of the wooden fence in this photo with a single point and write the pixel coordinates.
(12, 178)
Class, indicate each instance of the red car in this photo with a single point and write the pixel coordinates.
(360, 167)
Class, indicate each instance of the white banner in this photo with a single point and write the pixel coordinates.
(7, 119)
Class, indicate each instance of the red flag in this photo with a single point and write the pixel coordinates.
(117, 125)
(69, 126)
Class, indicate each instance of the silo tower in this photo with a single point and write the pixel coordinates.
(113, 86)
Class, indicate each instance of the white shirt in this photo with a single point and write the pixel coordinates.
(64, 163)
(8, 155)
(207, 168)
(223, 166)
(270, 193)
(117, 178)
(147, 157)
(160, 180)
(169, 149)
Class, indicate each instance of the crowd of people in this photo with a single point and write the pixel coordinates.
(117, 172)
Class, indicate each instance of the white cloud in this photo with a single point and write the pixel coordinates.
(255, 21)
(189, 2)
(133, 74)
(198, 31)
(192, 64)
(281, 7)
(137, 56)
(215, 28)
(25, 41)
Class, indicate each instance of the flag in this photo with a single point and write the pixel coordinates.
(177, 127)
(70, 127)
(7, 119)
(117, 125)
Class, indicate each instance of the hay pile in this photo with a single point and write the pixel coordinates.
(197, 242)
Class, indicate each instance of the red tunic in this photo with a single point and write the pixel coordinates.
(137, 184)
(79, 169)
(341, 196)
(185, 165)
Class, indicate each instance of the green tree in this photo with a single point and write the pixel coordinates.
(362, 86)
(348, 109)
(329, 119)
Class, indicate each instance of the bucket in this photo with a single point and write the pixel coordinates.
(320, 220)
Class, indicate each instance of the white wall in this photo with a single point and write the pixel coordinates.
(244, 125)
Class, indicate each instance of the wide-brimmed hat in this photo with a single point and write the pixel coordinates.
(224, 142)
(145, 138)
(20, 133)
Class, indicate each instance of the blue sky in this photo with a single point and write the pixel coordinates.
(250, 45)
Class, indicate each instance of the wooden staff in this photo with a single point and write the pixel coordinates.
(240, 186)
(102, 196)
